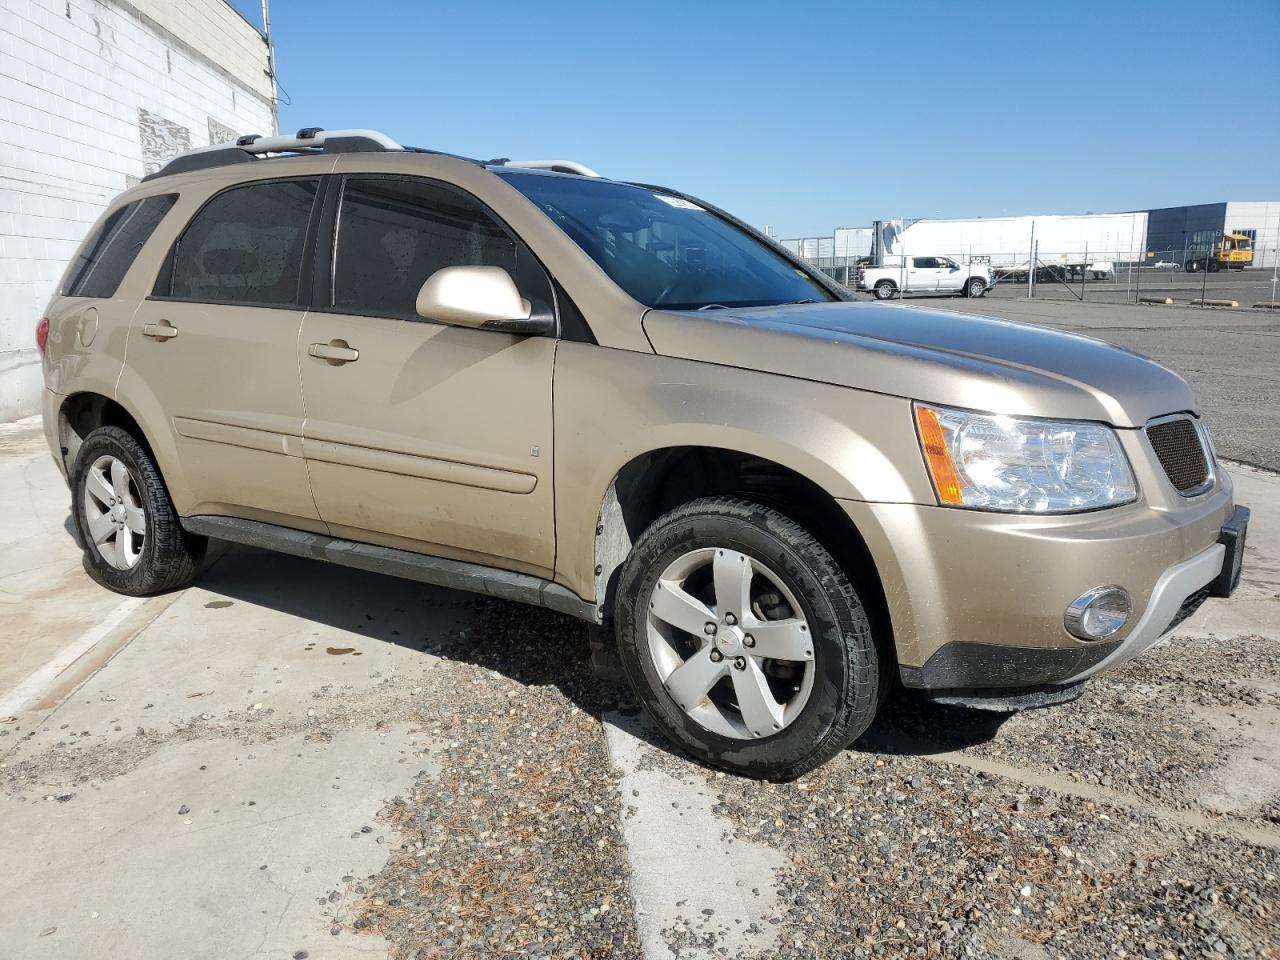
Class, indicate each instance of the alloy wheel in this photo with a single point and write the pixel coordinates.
(114, 517)
(730, 643)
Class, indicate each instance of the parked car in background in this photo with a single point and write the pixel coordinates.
(925, 275)
(620, 402)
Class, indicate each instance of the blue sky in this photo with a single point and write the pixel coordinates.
(806, 116)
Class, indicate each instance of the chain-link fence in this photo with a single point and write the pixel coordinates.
(1216, 270)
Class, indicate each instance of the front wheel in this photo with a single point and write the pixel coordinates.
(975, 288)
(125, 521)
(885, 290)
(745, 641)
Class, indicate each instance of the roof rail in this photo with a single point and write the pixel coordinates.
(559, 166)
(253, 146)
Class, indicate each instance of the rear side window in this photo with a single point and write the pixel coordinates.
(394, 234)
(104, 258)
(244, 246)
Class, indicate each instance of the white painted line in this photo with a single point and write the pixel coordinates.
(37, 682)
(682, 863)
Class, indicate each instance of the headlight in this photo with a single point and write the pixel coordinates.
(1022, 464)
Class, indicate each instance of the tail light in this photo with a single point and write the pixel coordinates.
(42, 333)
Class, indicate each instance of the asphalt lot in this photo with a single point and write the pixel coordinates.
(290, 759)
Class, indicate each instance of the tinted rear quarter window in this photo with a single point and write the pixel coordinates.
(104, 258)
(245, 246)
(395, 233)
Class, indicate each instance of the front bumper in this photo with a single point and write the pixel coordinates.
(976, 600)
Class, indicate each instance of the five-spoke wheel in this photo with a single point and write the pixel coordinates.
(113, 512)
(745, 640)
(729, 643)
(132, 539)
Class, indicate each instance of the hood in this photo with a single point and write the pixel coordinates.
(981, 363)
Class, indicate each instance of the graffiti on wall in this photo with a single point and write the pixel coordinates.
(161, 139)
(220, 133)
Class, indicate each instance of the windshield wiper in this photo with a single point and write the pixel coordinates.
(793, 303)
(713, 306)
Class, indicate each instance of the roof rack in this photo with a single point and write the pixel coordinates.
(254, 146)
(559, 166)
(310, 140)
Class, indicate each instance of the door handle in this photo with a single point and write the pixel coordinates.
(335, 352)
(161, 331)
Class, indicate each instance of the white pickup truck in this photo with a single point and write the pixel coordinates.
(910, 274)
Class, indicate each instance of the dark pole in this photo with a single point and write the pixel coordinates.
(1204, 280)
(1137, 276)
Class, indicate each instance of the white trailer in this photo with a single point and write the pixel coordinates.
(1090, 243)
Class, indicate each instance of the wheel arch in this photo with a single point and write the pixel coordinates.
(83, 412)
(659, 480)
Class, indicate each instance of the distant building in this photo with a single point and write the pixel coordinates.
(94, 95)
(1172, 231)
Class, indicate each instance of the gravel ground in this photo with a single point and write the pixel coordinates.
(514, 847)
(1153, 728)
(509, 841)
(904, 856)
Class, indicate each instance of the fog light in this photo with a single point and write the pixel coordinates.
(1098, 613)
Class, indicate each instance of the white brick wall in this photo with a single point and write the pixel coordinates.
(79, 82)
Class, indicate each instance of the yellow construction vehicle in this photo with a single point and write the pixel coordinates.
(1233, 251)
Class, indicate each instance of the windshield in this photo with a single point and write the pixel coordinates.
(665, 251)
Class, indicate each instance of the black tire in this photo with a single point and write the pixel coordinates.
(169, 557)
(1191, 266)
(975, 287)
(847, 667)
(885, 290)
(1214, 266)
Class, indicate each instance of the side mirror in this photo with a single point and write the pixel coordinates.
(480, 298)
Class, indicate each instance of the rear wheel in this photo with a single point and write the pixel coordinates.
(885, 290)
(1214, 266)
(744, 639)
(126, 524)
(1192, 266)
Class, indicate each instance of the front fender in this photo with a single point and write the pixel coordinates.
(612, 406)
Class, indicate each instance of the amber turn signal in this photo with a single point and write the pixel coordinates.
(934, 443)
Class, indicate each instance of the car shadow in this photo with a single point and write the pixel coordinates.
(909, 724)
(529, 645)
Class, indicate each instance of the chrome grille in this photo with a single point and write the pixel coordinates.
(1177, 444)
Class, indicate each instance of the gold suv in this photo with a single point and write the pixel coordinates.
(618, 401)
